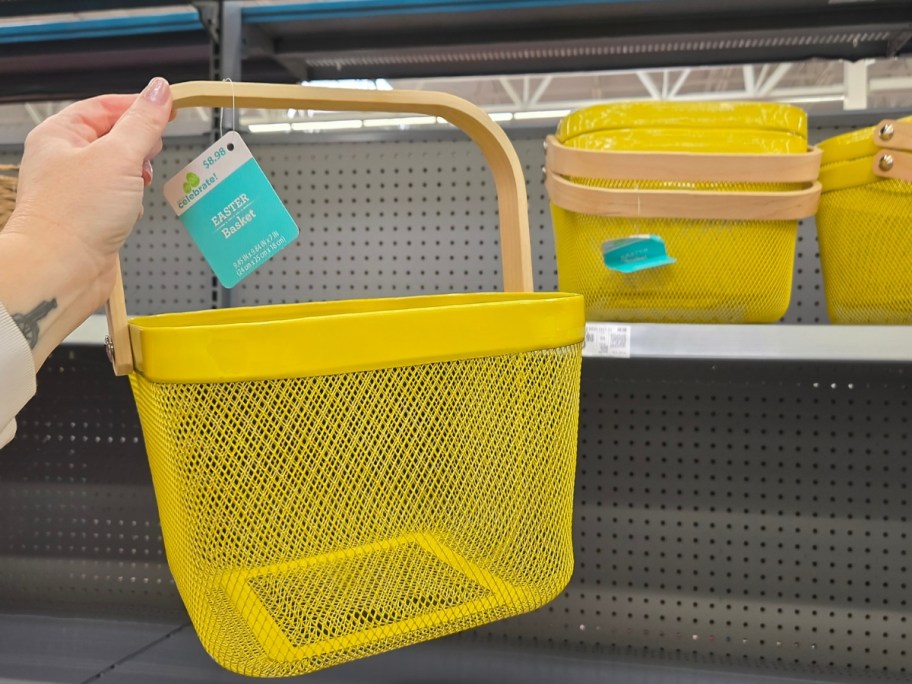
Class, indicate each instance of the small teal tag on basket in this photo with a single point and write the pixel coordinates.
(636, 253)
(230, 209)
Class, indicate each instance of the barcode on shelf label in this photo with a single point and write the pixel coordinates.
(607, 340)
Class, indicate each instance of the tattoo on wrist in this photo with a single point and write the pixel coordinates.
(28, 323)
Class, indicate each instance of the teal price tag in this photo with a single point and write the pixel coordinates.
(230, 209)
(636, 253)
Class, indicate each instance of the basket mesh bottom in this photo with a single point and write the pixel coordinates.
(314, 520)
(865, 240)
(427, 586)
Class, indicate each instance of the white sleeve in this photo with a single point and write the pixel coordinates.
(17, 375)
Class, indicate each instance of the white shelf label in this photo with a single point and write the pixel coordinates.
(603, 339)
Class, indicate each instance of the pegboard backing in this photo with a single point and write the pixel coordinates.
(163, 270)
(391, 219)
(747, 515)
(80, 533)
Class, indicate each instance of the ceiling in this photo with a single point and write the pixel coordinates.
(509, 56)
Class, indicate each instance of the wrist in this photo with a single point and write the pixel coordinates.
(46, 289)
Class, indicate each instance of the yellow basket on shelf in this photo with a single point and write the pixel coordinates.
(863, 225)
(338, 479)
(681, 212)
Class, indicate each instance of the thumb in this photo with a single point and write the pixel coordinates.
(138, 132)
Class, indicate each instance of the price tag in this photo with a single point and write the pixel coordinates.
(608, 340)
(636, 253)
(230, 209)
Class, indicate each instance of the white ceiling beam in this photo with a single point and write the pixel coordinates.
(676, 88)
(511, 91)
(33, 113)
(886, 84)
(765, 87)
(855, 77)
(649, 84)
(750, 82)
(543, 85)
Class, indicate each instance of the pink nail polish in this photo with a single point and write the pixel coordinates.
(156, 91)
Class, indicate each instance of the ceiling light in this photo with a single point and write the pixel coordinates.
(315, 126)
(543, 114)
(402, 121)
(270, 128)
(501, 116)
(354, 83)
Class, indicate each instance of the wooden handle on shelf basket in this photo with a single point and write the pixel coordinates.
(682, 166)
(509, 181)
(683, 204)
(675, 167)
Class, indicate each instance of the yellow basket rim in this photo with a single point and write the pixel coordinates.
(326, 338)
(756, 116)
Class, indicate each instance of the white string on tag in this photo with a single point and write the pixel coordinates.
(233, 110)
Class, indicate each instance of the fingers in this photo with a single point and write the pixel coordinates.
(147, 163)
(88, 120)
(147, 173)
(138, 131)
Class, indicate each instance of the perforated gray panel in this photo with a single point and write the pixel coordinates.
(79, 530)
(744, 514)
(388, 219)
(163, 270)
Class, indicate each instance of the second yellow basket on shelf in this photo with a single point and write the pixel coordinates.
(681, 212)
(864, 226)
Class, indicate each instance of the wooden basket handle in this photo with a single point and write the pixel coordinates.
(509, 181)
(683, 204)
(682, 166)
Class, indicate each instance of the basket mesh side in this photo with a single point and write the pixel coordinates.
(726, 271)
(865, 239)
(310, 521)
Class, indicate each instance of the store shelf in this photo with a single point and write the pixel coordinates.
(430, 38)
(774, 342)
(75, 650)
(743, 342)
(424, 38)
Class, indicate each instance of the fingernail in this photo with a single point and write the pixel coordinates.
(157, 91)
(147, 171)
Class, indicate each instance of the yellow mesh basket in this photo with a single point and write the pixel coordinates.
(337, 479)
(721, 184)
(863, 225)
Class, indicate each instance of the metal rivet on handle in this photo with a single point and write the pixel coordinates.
(109, 347)
(886, 131)
(886, 162)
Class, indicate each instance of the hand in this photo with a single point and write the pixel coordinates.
(80, 192)
(83, 172)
